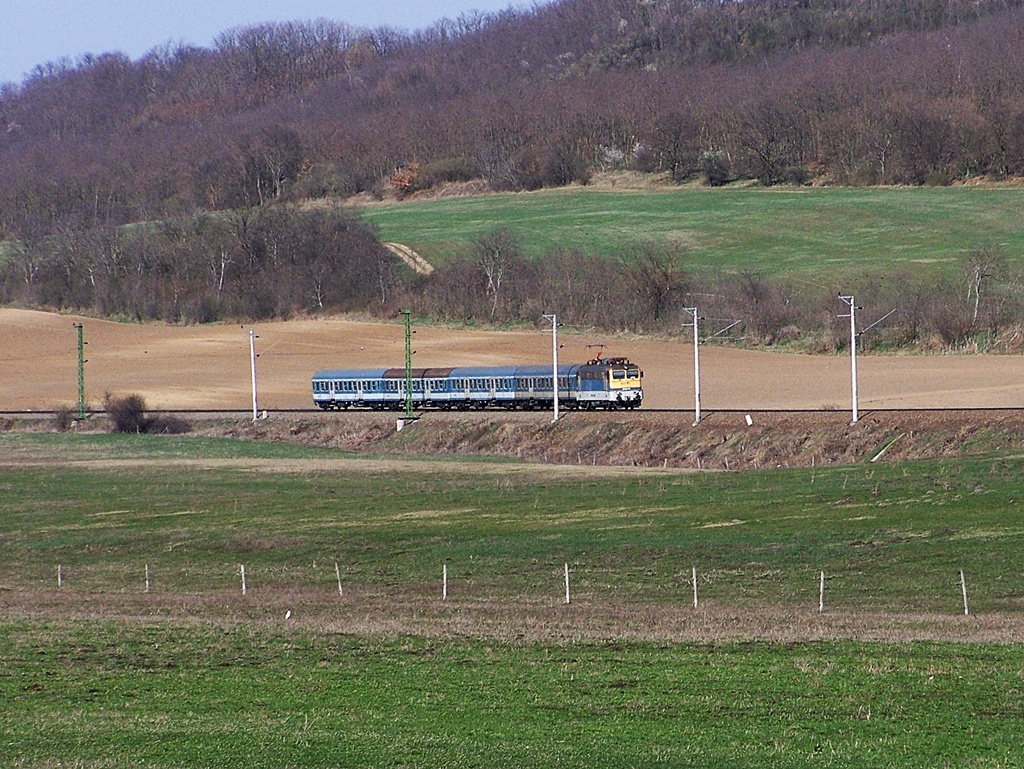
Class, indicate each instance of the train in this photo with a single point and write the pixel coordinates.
(600, 383)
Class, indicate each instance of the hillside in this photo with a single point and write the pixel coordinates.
(902, 91)
(199, 185)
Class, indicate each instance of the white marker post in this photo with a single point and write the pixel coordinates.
(567, 584)
(963, 589)
(147, 577)
(444, 590)
(60, 577)
(337, 572)
(821, 594)
(694, 587)
(243, 578)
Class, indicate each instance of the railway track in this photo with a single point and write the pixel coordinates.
(565, 414)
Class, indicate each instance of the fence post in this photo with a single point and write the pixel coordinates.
(963, 590)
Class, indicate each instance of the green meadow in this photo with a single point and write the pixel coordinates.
(100, 673)
(100, 694)
(800, 232)
(888, 537)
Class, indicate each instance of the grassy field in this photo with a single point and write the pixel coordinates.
(885, 539)
(99, 673)
(116, 695)
(776, 231)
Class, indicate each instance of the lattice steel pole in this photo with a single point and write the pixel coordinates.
(81, 372)
(408, 364)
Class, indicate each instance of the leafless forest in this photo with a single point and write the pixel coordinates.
(782, 92)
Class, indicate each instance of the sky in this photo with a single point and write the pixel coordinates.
(37, 31)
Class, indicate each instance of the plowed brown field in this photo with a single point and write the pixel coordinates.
(208, 366)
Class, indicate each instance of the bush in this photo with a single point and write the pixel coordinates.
(64, 418)
(449, 170)
(715, 168)
(128, 415)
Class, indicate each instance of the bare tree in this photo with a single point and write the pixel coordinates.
(496, 253)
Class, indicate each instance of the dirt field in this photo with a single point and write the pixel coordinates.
(208, 366)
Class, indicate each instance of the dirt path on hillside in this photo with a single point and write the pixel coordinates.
(209, 366)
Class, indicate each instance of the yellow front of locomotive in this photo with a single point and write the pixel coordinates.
(625, 384)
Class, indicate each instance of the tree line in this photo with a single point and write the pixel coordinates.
(653, 288)
(253, 264)
(283, 261)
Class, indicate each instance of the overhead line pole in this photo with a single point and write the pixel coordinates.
(81, 372)
(696, 363)
(252, 359)
(853, 351)
(554, 362)
(408, 364)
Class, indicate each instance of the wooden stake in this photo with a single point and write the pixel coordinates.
(821, 594)
(694, 587)
(337, 571)
(567, 583)
(243, 578)
(963, 589)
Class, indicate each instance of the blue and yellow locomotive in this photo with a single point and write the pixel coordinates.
(610, 383)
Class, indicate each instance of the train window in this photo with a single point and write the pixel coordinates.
(634, 373)
(618, 375)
